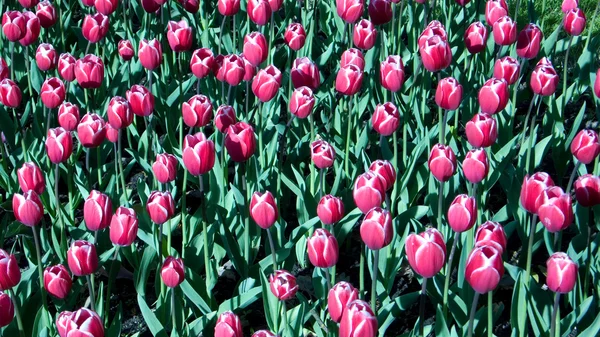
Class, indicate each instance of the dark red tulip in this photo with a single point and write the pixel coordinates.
(66, 67)
(202, 62)
(442, 162)
(353, 56)
(349, 80)
(119, 113)
(475, 166)
(349, 10)
(481, 130)
(322, 248)
(476, 37)
(228, 7)
(4, 70)
(57, 281)
(555, 209)
(532, 188)
(141, 100)
(198, 154)
(224, 117)
(123, 227)
(484, 269)
(448, 94)
(376, 229)
(126, 50)
(10, 94)
(380, 11)
(544, 80)
(259, 11)
(179, 35)
(91, 130)
(33, 29)
(263, 209)
(46, 57)
(14, 25)
(305, 73)
(365, 34)
(160, 206)
(491, 234)
(587, 190)
(436, 54)
(7, 309)
(232, 70)
(574, 21)
(283, 285)
(82, 258)
(391, 73)
(150, 54)
(597, 84)
(28, 208)
(95, 27)
(462, 213)
(330, 209)
(561, 273)
(190, 6)
(529, 41)
(426, 252)
(369, 191)
(165, 168)
(340, 295)
(228, 325)
(386, 171)
(59, 145)
(240, 141)
(295, 36)
(52, 92)
(507, 68)
(89, 71)
(385, 119)
(302, 102)
(28, 3)
(83, 322)
(322, 154)
(31, 178)
(97, 211)
(505, 31)
(172, 272)
(10, 274)
(255, 48)
(494, 10)
(586, 146)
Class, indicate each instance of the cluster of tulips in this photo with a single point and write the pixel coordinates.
(239, 138)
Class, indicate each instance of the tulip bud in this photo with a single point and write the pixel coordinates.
(283, 285)
(587, 190)
(305, 73)
(197, 111)
(89, 3)
(353, 56)
(28, 208)
(10, 94)
(95, 27)
(369, 191)
(266, 83)
(45, 57)
(123, 227)
(91, 130)
(179, 35)
(494, 10)
(532, 188)
(555, 209)
(31, 178)
(493, 96)
(240, 141)
(66, 67)
(376, 229)
(263, 209)
(46, 14)
(160, 206)
(165, 167)
(59, 145)
(82, 258)
(529, 41)
(365, 34)
(33, 28)
(358, 320)
(172, 272)
(249, 70)
(448, 93)
(544, 80)
(97, 211)
(385, 119)
(150, 53)
(302, 102)
(569, 4)
(10, 273)
(349, 10)
(191, 6)
(225, 117)
(112, 134)
(202, 61)
(481, 130)
(275, 5)
(151, 6)
(263, 333)
(198, 154)
(322, 154)
(119, 113)
(89, 71)
(476, 37)
(126, 50)
(484, 269)
(386, 171)
(597, 84)
(259, 11)
(434, 28)
(426, 252)
(228, 325)
(57, 281)
(475, 165)
(442, 162)
(507, 68)
(330, 209)
(141, 100)
(380, 11)
(562, 273)
(391, 73)
(436, 54)
(52, 92)
(574, 21)
(349, 80)
(7, 309)
(255, 48)
(322, 249)
(295, 36)
(340, 295)
(585, 146)
(491, 234)
(14, 25)
(462, 213)
(232, 69)
(83, 322)
(106, 7)
(505, 31)
(28, 3)
(228, 7)
(4, 70)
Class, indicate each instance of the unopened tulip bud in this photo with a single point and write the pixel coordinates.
(179, 35)
(126, 50)
(322, 249)
(57, 281)
(266, 83)
(391, 73)
(231, 70)
(28, 208)
(365, 34)
(295, 36)
(442, 162)
(202, 62)
(95, 27)
(228, 325)
(529, 41)
(544, 80)
(353, 56)
(46, 57)
(224, 117)
(123, 227)
(574, 21)
(505, 31)
(385, 119)
(358, 320)
(476, 37)
(302, 102)
(305, 73)
(165, 167)
(587, 190)
(52, 92)
(448, 94)
(263, 209)
(340, 295)
(481, 130)
(89, 71)
(436, 54)
(240, 141)
(228, 7)
(369, 191)
(475, 166)
(141, 100)
(31, 178)
(330, 209)
(197, 111)
(91, 130)
(172, 272)
(160, 206)
(66, 67)
(555, 209)
(386, 171)
(493, 96)
(349, 10)
(507, 68)
(532, 188)
(462, 213)
(494, 10)
(376, 229)
(46, 12)
(10, 94)
(491, 234)
(484, 269)
(426, 252)
(97, 211)
(150, 54)
(14, 25)
(586, 146)
(259, 11)
(255, 48)
(59, 145)
(562, 273)
(7, 309)
(198, 154)
(349, 80)
(83, 322)
(82, 258)
(322, 154)
(119, 113)
(33, 29)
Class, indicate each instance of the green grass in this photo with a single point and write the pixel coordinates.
(552, 15)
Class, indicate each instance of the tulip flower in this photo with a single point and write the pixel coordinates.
(179, 35)
(232, 70)
(597, 84)
(228, 7)
(31, 178)
(554, 208)
(369, 191)
(259, 11)
(228, 325)
(544, 80)
(68, 116)
(330, 209)
(266, 83)
(198, 154)
(494, 10)
(150, 54)
(491, 234)
(505, 31)
(275, 5)
(66, 67)
(52, 92)
(585, 146)
(263, 333)
(365, 34)
(569, 4)
(28, 208)
(436, 54)
(83, 322)
(532, 188)
(353, 56)
(442, 162)
(349, 10)
(10, 94)
(106, 7)
(46, 13)
(91, 130)
(391, 73)
(475, 166)
(386, 171)
(322, 249)
(89, 71)
(123, 227)
(448, 94)
(322, 154)
(283, 285)
(10, 273)
(295, 36)
(376, 229)
(349, 80)
(426, 252)
(434, 28)
(126, 50)
(14, 25)
(172, 272)
(561, 273)
(493, 96)
(7, 309)
(529, 41)
(57, 281)
(385, 119)
(46, 57)
(82, 258)
(225, 117)
(33, 27)
(481, 130)
(141, 100)
(202, 61)
(305, 73)
(574, 21)
(462, 213)
(191, 6)
(4, 70)
(255, 48)
(197, 111)
(240, 141)
(165, 167)
(587, 190)
(249, 70)
(263, 209)
(507, 68)
(59, 145)
(380, 11)
(160, 207)
(358, 320)
(302, 102)
(476, 37)
(484, 269)
(112, 134)
(97, 211)
(119, 113)
(95, 27)
(340, 295)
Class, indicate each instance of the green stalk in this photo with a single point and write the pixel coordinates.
(273, 252)
(531, 131)
(553, 330)
(17, 312)
(99, 168)
(374, 281)
(490, 317)
(91, 290)
(348, 131)
(110, 281)
(440, 204)
(361, 283)
(180, 103)
(530, 248)
(449, 274)
(312, 167)
(422, 307)
(63, 237)
(565, 67)
(204, 231)
(38, 254)
(285, 321)
(573, 174)
(70, 188)
(328, 279)
(472, 315)
(260, 137)
(120, 155)
(271, 33)
(173, 313)
(184, 229)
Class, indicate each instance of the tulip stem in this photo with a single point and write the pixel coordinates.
(181, 125)
(440, 204)
(553, 332)
(99, 168)
(374, 281)
(348, 130)
(173, 313)
(17, 312)
(122, 175)
(12, 61)
(260, 137)
(204, 230)
(472, 314)
(321, 182)
(531, 131)
(422, 307)
(271, 33)
(58, 212)
(273, 252)
(116, 168)
(361, 270)
(565, 72)
(91, 289)
(590, 256)
(573, 174)
(530, 248)
(184, 229)
(449, 274)
(490, 317)
(38, 254)
(328, 278)
(285, 321)
(111, 276)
